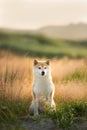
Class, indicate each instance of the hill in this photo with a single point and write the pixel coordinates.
(41, 46)
(71, 32)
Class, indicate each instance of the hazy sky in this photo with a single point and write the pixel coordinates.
(32, 14)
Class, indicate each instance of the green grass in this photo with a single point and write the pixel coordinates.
(78, 75)
(66, 112)
(11, 111)
(41, 46)
(36, 45)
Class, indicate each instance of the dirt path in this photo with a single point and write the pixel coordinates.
(47, 124)
(43, 124)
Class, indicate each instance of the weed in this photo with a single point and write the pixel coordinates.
(11, 111)
(63, 116)
(80, 109)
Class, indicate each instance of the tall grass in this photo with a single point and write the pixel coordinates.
(16, 78)
(13, 75)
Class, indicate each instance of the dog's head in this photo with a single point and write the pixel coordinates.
(41, 68)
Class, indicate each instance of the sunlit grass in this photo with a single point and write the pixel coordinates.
(16, 78)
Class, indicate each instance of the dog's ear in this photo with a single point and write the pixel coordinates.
(35, 62)
(48, 62)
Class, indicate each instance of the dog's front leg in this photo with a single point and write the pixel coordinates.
(36, 107)
(51, 101)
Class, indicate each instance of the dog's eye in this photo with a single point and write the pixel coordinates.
(45, 67)
(39, 67)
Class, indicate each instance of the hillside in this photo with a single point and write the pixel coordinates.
(41, 46)
(71, 32)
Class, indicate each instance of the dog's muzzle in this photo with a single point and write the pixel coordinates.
(43, 73)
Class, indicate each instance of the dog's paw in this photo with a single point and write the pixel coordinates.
(53, 109)
(36, 116)
(31, 112)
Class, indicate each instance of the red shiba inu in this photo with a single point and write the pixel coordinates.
(43, 87)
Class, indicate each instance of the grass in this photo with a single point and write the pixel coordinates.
(12, 111)
(69, 76)
(41, 46)
(64, 116)
(67, 112)
(78, 75)
(16, 77)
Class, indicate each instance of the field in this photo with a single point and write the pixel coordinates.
(34, 45)
(69, 72)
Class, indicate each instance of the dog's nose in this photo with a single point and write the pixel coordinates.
(43, 72)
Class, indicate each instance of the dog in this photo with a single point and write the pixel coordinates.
(43, 88)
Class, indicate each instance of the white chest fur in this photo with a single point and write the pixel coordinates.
(43, 86)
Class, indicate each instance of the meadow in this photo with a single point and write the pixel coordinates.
(69, 72)
(35, 45)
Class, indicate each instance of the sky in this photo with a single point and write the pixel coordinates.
(33, 14)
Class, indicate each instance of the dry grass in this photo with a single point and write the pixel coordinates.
(16, 78)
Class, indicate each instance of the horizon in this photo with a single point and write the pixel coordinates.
(46, 26)
(33, 15)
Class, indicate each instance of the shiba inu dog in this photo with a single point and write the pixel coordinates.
(43, 87)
